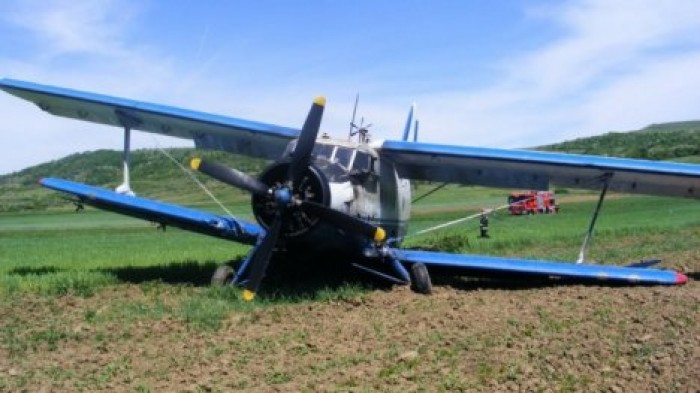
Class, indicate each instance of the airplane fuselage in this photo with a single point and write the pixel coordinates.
(349, 177)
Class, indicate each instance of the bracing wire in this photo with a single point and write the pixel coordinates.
(434, 190)
(463, 219)
(194, 178)
(455, 222)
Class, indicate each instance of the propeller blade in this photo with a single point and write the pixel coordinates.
(229, 176)
(306, 141)
(261, 259)
(344, 221)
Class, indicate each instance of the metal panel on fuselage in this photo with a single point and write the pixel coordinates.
(395, 200)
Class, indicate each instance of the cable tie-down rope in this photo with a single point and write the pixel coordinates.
(194, 178)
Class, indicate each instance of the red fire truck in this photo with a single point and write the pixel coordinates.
(532, 202)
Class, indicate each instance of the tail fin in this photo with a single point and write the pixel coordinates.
(415, 132)
(409, 122)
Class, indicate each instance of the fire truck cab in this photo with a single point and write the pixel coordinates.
(532, 202)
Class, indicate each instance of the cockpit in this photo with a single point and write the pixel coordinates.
(339, 163)
(346, 157)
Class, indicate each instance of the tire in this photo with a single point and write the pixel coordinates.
(420, 279)
(222, 276)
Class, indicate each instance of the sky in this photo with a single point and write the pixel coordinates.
(482, 73)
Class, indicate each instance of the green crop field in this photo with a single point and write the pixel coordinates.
(37, 247)
(91, 299)
(559, 236)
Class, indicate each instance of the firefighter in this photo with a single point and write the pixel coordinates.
(484, 225)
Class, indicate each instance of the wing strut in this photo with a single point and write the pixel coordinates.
(587, 240)
(128, 122)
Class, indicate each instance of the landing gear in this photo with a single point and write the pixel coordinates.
(222, 276)
(420, 279)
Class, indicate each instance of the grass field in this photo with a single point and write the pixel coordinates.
(95, 301)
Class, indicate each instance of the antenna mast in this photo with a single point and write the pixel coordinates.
(362, 130)
(354, 112)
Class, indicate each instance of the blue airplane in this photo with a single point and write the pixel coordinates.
(351, 196)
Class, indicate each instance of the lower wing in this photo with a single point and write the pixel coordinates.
(513, 266)
(229, 228)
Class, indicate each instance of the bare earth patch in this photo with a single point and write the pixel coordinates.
(469, 335)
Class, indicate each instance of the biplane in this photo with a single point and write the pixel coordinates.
(351, 195)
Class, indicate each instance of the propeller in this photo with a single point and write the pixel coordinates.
(344, 221)
(260, 258)
(230, 176)
(286, 197)
(306, 141)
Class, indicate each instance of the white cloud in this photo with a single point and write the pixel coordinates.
(608, 37)
(618, 65)
(82, 45)
(615, 65)
(93, 27)
(662, 91)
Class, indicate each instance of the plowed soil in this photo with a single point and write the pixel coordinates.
(468, 336)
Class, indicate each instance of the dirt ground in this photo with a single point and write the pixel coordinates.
(468, 336)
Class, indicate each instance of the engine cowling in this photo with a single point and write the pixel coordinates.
(313, 186)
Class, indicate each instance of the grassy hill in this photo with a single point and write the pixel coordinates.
(668, 141)
(152, 173)
(157, 176)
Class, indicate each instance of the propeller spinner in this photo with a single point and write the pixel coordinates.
(284, 197)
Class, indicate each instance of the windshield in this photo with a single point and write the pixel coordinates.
(323, 151)
(343, 156)
(334, 172)
(362, 161)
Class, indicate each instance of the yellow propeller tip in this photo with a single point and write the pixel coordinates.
(195, 163)
(379, 235)
(320, 100)
(248, 295)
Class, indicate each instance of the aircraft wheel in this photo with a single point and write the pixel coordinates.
(420, 279)
(222, 276)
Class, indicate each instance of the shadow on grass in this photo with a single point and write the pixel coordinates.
(512, 283)
(34, 271)
(294, 277)
(286, 277)
(187, 272)
(304, 278)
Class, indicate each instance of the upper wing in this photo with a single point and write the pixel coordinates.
(207, 130)
(536, 169)
(479, 264)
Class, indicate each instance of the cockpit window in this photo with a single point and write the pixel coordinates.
(324, 151)
(343, 156)
(362, 161)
